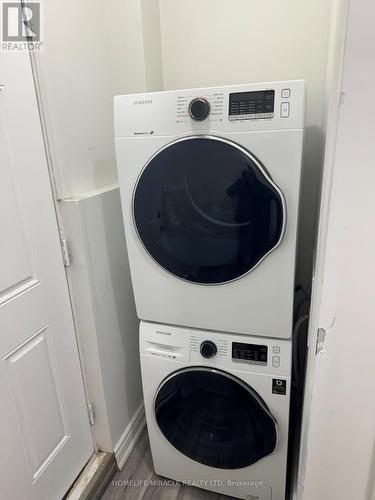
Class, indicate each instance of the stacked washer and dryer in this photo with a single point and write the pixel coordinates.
(210, 182)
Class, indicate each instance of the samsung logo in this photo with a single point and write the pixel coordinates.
(143, 101)
(161, 332)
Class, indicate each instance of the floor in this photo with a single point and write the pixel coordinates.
(139, 472)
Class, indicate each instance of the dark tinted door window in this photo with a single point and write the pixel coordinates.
(214, 419)
(205, 211)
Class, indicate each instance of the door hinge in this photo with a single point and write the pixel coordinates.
(65, 252)
(91, 413)
(320, 338)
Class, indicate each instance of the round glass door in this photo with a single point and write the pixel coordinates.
(214, 418)
(206, 210)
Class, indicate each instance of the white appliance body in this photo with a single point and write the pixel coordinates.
(169, 355)
(259, 299)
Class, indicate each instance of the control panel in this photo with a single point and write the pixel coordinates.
(251, 105)
(236, 108)
(263, 104)
(240, 353)
(249, 353)
(216, 349)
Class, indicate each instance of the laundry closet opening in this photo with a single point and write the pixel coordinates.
(187, 159)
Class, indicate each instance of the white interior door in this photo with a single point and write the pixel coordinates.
(44, 434)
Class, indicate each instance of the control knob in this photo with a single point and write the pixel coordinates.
(199, 108)
(208, 349)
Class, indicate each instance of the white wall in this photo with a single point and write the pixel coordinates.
(94, 49)
(341, 425)
(76, 82)
(152, 44)
(217, 42)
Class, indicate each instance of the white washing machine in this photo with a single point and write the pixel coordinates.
(210, 182)
(217, 409)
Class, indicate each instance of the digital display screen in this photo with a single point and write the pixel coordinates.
(249, 353)
(251, 105)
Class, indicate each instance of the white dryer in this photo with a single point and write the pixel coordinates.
(210, 182)
(217, 409)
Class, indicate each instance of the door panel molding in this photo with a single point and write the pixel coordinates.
(48, 403)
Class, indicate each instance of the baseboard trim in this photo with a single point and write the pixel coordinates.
(94, 479)
(130, 436)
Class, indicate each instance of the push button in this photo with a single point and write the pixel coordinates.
(284, 109)
(276, 361)
(285, 93)
(276, 349)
